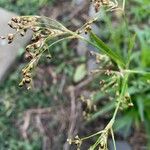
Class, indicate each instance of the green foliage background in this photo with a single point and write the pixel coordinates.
(24, 7)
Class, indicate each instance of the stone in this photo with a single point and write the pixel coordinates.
(9, 52)
(92, 12)
(82, 46)
(120, 145)
(91, 65)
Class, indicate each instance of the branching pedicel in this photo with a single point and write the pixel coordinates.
(48, 32)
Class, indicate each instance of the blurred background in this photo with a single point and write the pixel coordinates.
(45, 116)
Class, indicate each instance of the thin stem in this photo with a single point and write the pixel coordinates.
(113, 138)
(88, 137)
(60, 40)
(123, 5)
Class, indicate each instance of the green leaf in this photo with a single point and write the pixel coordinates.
(80, 73)
(124, 122)
(131, 46)
(105, 49)
(140, 105)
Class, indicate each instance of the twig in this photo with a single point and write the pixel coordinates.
(73, 116)
(27, 118)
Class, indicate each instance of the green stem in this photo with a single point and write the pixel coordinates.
(137, 72)
(88, 137)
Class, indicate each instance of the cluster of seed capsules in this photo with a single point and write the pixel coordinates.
(42, 31)
(112, 78)
(77, 141)
(21, 25)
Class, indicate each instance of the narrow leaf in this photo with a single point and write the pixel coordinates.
(131, 46)
(105, 49)
(140, 105)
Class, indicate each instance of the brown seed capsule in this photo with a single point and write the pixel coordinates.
(97, 6)
(35, 29)
(37, 53)
(22, 33)
(16, 19)
(13, 19)
(102, 82)
(28, 75)
(10, 24)
(49, 56)
(37, 45)
(28, 48)
(9, 42)
(10, 38)
(28, 56)
(36, 37)
(27, 80)
(87, 29)
(31, 67)
(24, 22)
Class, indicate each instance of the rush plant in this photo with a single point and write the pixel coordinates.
(115, 67)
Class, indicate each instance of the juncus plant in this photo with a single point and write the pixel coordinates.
(48, 32)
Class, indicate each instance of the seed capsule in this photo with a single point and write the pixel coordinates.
(10, 38)
(49, 56)
(35, 29)
(27, 80)
(28, 56)
(22, 33)
(10, 24)
(37, 45)
(28, 75)
(16, 19)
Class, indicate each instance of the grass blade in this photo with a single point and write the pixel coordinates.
(105, 49)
